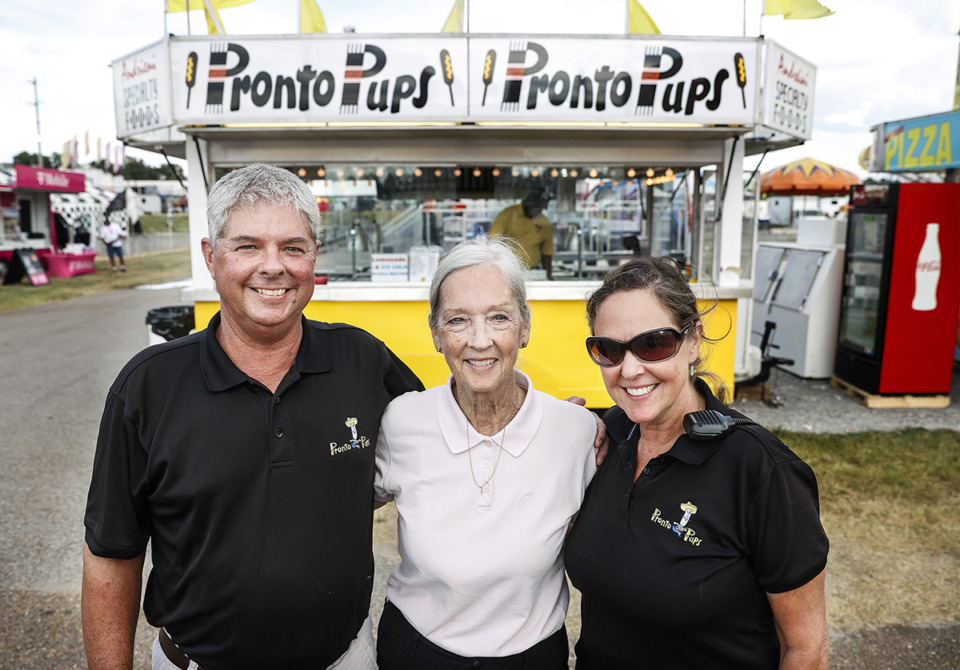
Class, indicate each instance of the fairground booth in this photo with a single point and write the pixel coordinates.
(29, 229)
(413, 143)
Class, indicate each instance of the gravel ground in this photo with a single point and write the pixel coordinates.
(58, 361)
(813, 405)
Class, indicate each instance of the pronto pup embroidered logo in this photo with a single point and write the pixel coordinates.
(357, 441)
(684, 533)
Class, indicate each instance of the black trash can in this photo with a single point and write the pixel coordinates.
(169, 323)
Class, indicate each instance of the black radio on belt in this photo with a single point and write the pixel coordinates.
(709, 424)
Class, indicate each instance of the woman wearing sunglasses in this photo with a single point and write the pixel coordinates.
(688, 553)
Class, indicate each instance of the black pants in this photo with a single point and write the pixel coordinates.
(401, 647)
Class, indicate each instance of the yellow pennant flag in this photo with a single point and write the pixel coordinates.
(454, 22)
(796, 9)
(311, 18)
(214, 22)
(174, 6)
(638, 21)
(776, 7)
(210, 9)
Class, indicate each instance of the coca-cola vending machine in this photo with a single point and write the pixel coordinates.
(901, 289)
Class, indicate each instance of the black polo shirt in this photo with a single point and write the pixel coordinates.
(258, 505)
(675, 568)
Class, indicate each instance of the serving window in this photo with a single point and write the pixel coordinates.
(600, 215)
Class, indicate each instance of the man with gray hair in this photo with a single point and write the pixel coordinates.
(244, 454)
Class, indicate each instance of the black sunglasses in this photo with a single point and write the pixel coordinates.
(652, 346)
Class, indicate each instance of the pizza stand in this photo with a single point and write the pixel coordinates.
(414, 142)
(28, 232)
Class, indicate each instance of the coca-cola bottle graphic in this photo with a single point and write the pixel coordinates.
(928, 271)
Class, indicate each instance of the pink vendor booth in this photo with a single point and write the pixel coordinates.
(27, 220)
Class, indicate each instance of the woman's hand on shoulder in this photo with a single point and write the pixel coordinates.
(601, 442)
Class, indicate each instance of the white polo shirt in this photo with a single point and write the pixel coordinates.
(481, 570)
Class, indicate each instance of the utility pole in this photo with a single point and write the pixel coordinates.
(36, 107)
(952, 175)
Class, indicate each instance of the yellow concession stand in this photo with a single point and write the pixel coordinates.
(412, 143)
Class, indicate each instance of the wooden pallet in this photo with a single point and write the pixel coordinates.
(758, 392)
(890, 401)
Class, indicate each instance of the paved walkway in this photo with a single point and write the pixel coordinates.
(57, 361)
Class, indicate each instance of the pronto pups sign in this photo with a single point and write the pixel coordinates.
(620, 80)
(356, 78)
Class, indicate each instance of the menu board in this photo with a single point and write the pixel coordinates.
(25, 261)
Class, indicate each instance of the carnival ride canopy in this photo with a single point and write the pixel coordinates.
(808, 177)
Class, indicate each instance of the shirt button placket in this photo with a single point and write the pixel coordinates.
(280, 449)
(486, 470)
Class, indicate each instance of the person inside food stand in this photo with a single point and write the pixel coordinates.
(527, 225)
(111, 234)
(244, 453)
(689, 553)
(486, 473)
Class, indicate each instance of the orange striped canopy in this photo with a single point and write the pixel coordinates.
(808, 177)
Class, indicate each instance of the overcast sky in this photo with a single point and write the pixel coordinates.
(877, 60)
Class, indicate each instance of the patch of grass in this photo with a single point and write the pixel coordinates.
(911, 465)
(157, 223)
(148, 269)
(888, 503)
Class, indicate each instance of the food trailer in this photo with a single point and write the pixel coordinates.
(28, 219)
(415, 142)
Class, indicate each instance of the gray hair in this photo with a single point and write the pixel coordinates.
(256, 185)
(477, 251)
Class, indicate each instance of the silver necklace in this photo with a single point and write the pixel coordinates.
(503, 436)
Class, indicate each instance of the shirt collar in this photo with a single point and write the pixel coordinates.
(220, 373)
(460, 435)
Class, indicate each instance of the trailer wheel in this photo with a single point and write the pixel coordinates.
(4, 268)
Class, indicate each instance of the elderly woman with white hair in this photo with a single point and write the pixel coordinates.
(487, 475)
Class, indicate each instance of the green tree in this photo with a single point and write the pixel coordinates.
(27, 158)
(136, 169)
(133, 168)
